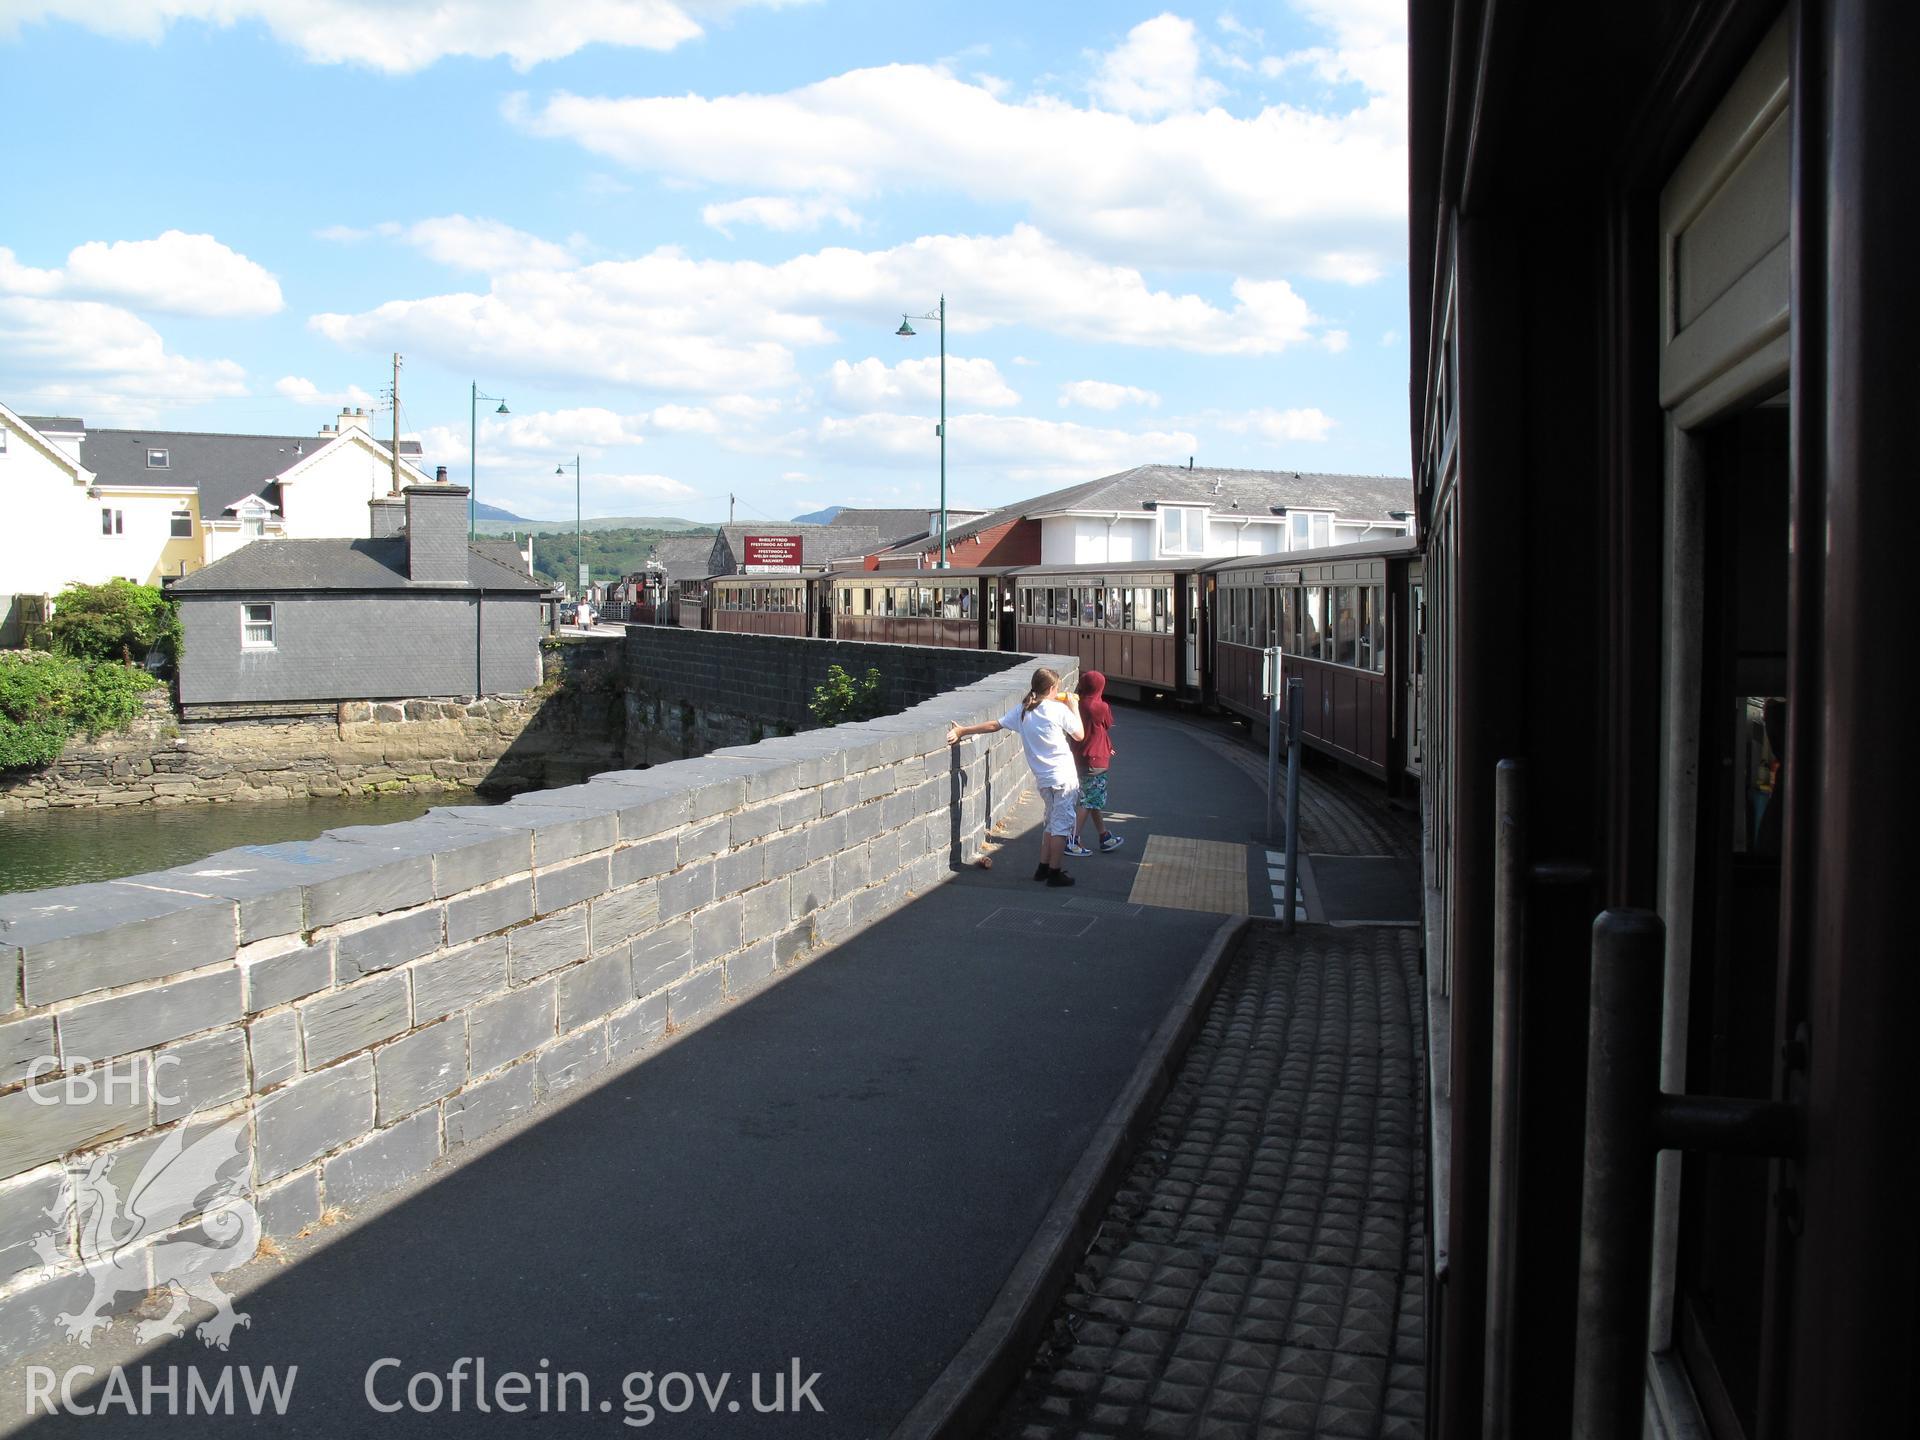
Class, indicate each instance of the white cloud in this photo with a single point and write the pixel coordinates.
(401, 36)
(778, 212)
(1287, 190)
(1281, 425)
(652, 487)
(1335, 340)
(1019, 447)
(102, 360)
(1155, 71)
(872, 383)
(354, 234)
(671, 322)
(685, 420)
(1392, 337)
(1023, 360)
(303, 391)
(1104, 395)
(487, 246)
(175, 272)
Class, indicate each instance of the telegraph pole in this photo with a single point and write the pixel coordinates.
(395, 490)
(729, 507)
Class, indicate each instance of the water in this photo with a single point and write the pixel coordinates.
(43, 848)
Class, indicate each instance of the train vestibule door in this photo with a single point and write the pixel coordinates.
(1193, 633)
(1415, 637)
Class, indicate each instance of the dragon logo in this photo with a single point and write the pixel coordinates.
(177, 1181)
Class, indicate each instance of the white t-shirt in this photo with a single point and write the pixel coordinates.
(1044, 731)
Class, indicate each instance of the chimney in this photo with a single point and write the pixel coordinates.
(437, 534)
(439, 474)
(354, 419)
(389, 516)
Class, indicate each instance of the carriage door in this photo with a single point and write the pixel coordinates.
(1193, 633)
(1415, 635)
(1722, 1249)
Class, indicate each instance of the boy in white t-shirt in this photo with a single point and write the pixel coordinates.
(1045, 720)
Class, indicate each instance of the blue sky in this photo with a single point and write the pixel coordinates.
(678, 237)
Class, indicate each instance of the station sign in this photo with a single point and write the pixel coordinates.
(1280, 577)
(762, 554)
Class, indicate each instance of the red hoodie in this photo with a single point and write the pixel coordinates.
(1095, 750)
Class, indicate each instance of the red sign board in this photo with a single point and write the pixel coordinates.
(770, 552)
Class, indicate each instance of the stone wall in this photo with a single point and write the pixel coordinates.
(573, 725)
(342, 1014)
(692, 691)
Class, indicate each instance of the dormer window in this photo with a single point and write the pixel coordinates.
(158, 460)
(1309, 531)
(1183, 530)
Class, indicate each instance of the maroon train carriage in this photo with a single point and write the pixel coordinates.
(762, 604)
(1337, 615)
(1136, 623)
(958, 608)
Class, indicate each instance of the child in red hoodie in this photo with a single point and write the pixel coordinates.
(1092, 754)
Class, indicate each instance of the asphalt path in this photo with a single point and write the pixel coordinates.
(832, 1177)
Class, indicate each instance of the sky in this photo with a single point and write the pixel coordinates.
(677, 237)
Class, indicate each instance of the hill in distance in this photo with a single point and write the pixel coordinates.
(819, 517)
(503, 523)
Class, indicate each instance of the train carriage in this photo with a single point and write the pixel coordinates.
(1139, 624)
(1340, 618)
(955, 609)
(763, 604)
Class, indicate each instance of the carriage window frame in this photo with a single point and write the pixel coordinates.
(1346, 624)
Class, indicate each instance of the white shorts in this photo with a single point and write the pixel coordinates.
(1061, 803)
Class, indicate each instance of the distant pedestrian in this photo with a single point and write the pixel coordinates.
(1046, 722)
(1092, 755)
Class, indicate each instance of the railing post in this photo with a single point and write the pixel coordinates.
(1616, 1208)
(1509, 947)
(1291, 885)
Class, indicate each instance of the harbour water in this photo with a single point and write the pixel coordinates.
(43, 848)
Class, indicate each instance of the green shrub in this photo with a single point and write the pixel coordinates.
(115, 621)
(840, 697)
(44, 699)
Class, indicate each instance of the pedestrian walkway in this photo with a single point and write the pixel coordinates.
(1260, 1270)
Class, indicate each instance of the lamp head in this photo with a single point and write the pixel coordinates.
(559, 469)
(503, 409)
(905, 329)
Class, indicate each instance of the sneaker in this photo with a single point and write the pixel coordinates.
(1076, 849)
(1044, 872)
(1059, 878)
(1111, 842)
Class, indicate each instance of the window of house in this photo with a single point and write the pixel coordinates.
(1183, 530)
(157, 460)
(180, 525)
(1322, 530)
(3, 440)
(112, 522)
(256, 627)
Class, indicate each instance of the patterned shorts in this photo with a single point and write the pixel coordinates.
(1058, 802)
(1093, 790)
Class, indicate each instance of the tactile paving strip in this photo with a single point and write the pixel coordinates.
(1181, 874)
(1261, 1270)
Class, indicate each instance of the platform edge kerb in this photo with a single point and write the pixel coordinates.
(964, 1396)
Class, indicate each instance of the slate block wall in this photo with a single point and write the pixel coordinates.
(733, 682)
(355, 1009)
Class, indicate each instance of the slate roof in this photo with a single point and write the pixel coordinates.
(894, 525)
(225, 469)
(684, 557)
(1351, 497)
(819, 544)
(358, 565)
(61, 424)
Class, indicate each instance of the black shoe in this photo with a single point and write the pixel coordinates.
(1045, 872)
(1059, 877)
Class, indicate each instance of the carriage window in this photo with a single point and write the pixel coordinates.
(1084, 595)
(966, 604)
(1379, 630)
(950, 607)
(1312, 621)
(926, 603)
(1162, 605)
(1345, 633)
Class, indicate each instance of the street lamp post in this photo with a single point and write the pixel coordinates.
(579, 545)
(473, 442)
(906, 331)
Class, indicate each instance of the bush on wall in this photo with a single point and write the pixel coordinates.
(841, 697)
(44, 699)
(115, 621)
